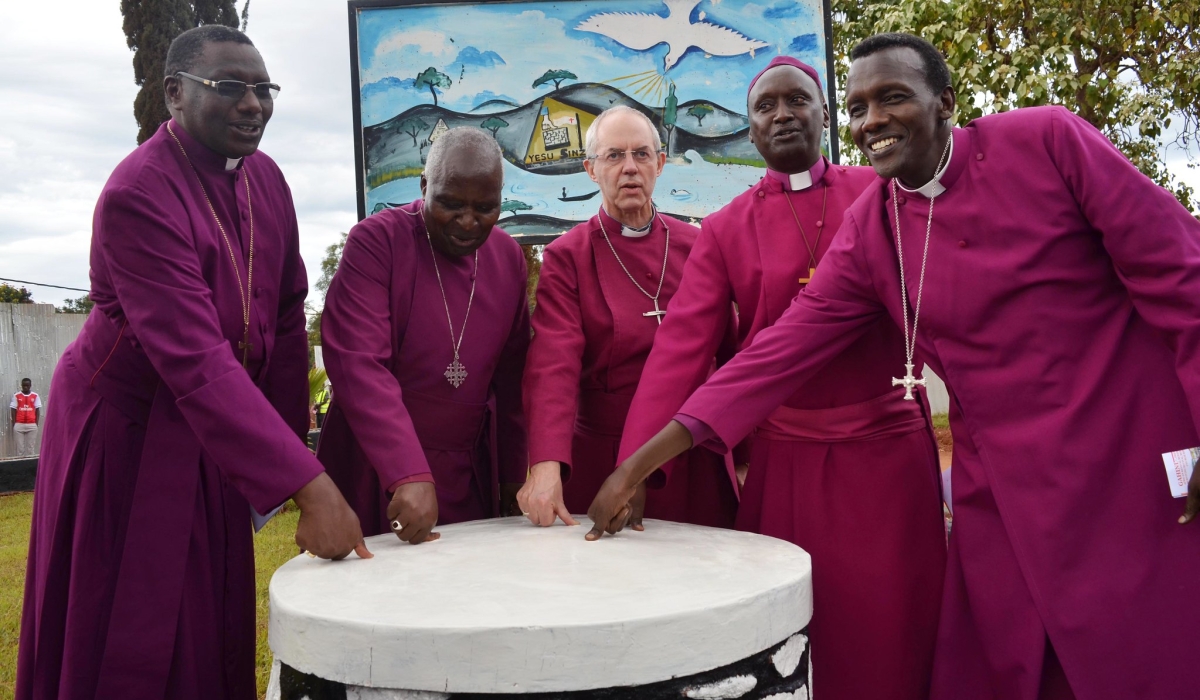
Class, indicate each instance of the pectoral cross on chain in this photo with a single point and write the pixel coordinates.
(811, 271)
(657, 313)
(909, 382)
(245, 345)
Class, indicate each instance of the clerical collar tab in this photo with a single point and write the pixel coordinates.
(803, 180)
(232, 163)
(934, 187)
(800, 181)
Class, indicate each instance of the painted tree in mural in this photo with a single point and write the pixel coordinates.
(699, 112)
(150, 25)
(514, 206)
(1130, 68)
(413, 126)
(493, 124)
(556, 77)
(670, 115)
(432, 78)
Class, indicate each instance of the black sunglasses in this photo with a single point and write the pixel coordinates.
(235, 89)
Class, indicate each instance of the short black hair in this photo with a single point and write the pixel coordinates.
(937, 73)
(26, 379)
(187, 47)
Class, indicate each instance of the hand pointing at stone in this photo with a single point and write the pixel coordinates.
(615, 506)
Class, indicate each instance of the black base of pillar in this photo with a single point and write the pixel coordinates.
(294, 685)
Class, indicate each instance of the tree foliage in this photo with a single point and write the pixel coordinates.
(329, 266)
(13, 295)
(432, 78)
(493, 124)
(514, 206)
(150, 25)
(79, 305)
(700, 111)
(1132, 69)
(555, 76)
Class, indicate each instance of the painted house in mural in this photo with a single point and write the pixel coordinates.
(557, 136)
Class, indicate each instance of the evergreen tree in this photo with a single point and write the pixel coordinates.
(150, 25)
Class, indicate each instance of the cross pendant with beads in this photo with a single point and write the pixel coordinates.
(657, 313)
(909, 382)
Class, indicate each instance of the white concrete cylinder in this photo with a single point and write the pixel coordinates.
(503, 607)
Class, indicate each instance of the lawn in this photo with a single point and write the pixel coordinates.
(272, 547)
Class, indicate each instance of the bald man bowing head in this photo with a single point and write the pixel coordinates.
(604, 288)
(425, 331)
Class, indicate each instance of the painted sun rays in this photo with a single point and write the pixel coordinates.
(649, 86)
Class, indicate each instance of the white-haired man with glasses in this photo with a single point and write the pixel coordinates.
(603, 290)
(179, 407)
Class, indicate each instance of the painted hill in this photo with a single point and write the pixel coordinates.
(396, 148)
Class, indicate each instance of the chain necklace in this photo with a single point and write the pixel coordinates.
(657, 313)
(909, 382)
(244, 292)
(456, 372)
(812, 249)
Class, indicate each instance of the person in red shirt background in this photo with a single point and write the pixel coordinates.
(26, 411)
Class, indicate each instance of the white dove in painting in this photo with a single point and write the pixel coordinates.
(640, 31)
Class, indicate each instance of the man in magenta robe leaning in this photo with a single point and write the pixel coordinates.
(424, 331)
(179, 407)
(1060, 300)
(603, 288)
(841, 445)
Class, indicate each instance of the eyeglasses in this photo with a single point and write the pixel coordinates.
(235, 89)
(640, 156)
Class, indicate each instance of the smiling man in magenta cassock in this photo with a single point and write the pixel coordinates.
(1060, 300)
(178, 408)
(838, 446)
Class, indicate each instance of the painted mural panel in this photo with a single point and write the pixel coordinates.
(536, 74)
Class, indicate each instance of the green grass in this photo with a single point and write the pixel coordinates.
(941, 420)
(15, 512)
(272, 547)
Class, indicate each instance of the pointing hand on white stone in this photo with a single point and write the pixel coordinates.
(414, 507)
(541, 498)
(615, 506)
(328, 527)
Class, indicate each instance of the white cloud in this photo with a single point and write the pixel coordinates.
(426, 40)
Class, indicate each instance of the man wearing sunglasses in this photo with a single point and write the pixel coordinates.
(179, 408)
(603, 290)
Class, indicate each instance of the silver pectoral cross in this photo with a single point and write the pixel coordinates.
(909, 382)
(657, 313)
(456, 373)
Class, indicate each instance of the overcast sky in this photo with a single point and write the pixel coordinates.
(66, 119)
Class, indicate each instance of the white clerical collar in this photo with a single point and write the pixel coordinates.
(934, 187)
(232, 163)
(635, 232)
(800, 181)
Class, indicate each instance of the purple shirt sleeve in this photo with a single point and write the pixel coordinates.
(702, 435)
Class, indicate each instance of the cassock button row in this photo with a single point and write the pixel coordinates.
(761, 194)
(901, 201)
(978, 156)
(962, 244)
(820, 224)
